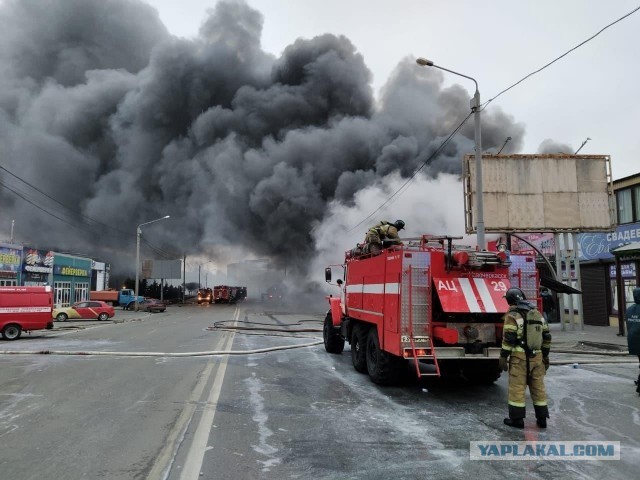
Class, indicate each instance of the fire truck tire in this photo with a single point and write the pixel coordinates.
(359, 348)
(333, 341)
(481, 373)
(383, 367)
(11, 332)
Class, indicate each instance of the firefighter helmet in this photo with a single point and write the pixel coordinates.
(399, 224)
(514, 295)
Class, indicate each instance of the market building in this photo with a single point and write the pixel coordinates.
(71, 279)
(597, 263)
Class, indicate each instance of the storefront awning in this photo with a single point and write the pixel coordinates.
(557, 286)
(472, 295)
(630, 251)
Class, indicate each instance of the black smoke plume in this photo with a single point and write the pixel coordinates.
(108, 114)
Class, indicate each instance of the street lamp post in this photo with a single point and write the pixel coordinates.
(475, 108)
(138, 234)
(200, 266)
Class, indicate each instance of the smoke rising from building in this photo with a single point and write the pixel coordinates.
(105, 111)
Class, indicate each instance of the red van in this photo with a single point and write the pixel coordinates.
(24, 309)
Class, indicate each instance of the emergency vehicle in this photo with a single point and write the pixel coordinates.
(221, 294)
(428, 302)
(25, 309)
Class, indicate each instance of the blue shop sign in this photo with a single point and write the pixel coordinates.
(597, 246)
(628, 270)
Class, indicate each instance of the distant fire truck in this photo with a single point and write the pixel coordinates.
(227, 294)
(427, 301)
(221, 294)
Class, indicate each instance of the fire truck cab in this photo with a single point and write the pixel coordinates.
(429, 302)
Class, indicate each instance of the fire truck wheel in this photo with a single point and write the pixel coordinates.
(383, 367)
(359, 348)
(11, 332)
(333, 341)
(481, 373)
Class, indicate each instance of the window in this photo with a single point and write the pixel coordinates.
(81, 292)
(62, 293)
(625, 206)
(8, 283)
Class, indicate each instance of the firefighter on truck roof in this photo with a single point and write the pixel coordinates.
(526, 342)
(383, 232)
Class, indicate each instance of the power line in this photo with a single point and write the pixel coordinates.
(484, 105)
(24, 196)
(405, 185)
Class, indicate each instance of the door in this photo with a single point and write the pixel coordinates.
(594, 295)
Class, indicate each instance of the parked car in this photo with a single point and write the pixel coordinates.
(152, 305)
(86, 310)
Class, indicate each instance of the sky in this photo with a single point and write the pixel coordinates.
(275, 128)
(588, 94)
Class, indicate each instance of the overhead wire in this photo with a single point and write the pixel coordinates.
(485, 104)
(404, 186)
(84, 226)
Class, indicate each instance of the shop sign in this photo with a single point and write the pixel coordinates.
(10, 260)
(628, 270)
(38, 261)
(598, 246)
(544, 242)
(70, 271)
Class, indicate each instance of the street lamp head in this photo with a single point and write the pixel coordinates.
(424, 62)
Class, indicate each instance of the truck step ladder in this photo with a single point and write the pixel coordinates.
(419, 292)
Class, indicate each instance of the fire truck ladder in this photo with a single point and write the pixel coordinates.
(419, 294)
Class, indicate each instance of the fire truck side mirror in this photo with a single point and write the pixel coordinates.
(327, 274)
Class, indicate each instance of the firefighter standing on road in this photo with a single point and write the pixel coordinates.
(383, 232)
(527, 341)
(633, 329)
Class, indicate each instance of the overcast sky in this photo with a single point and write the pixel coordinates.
(590, 93)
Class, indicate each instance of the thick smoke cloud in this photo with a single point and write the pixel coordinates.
(551, 146)
(107, 113)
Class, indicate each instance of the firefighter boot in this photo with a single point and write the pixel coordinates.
(542, 413)
(516, 417)
(514, 422)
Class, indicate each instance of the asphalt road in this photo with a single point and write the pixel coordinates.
(285, 413)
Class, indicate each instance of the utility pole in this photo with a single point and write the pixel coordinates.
(184, 277)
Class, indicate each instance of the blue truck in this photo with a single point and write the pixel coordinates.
(126, 298)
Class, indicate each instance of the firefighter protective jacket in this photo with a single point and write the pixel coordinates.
(384, 230)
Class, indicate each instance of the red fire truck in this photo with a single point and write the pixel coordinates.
(428, 302)
(221, 294)
(25, 309)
